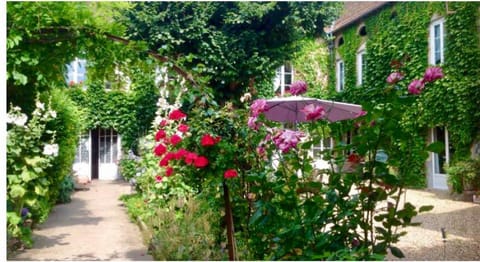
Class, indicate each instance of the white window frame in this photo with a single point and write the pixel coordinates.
(73, 74)
(433, 45)
(340, 75)
(85, 140)
(280, 76)
(360, 65)
(321, 147)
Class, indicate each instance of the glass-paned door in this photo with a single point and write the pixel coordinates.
(108, 156)
(81, 164)
(439, 177)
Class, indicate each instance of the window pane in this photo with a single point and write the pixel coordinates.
(341, 70)
(439, 158)
(114, 148)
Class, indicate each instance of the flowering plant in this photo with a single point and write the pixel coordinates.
(347, 192)
(28, 157)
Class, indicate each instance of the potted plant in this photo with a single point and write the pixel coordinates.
(464, 177)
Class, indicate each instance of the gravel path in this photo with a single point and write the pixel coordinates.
(94, 226)
(460, 219)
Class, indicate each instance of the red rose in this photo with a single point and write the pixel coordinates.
(166, 158)
(190, 157)
(160, 134)
(163, 123)
(183, 128)
(201, 161)
(180, 153)
(208, 140)
(231, 173)
(176, 114)
(169, 171)
(160, 149)
(175, 139)
(354, 158)
(158, 179)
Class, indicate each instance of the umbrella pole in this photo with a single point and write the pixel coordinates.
(229, 220)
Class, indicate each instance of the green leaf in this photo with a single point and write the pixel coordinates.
(33, 161)
(397, 252)
(30, 201)
(20, 78)
(13, 218)
(425, 208)
(17, 191)
(27, 175)
(436, 147)
(39, 190)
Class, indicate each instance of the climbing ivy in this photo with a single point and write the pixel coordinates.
(129, 113)
(397, 39)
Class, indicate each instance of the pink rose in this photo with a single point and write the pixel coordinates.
(415, 87)
(258, 106)
(298, 88)
(313, 112)
(432, 74)
(394, 78)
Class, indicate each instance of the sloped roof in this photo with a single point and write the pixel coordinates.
(353, 11)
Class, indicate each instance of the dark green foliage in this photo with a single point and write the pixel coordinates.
(67, 125)
(128, 168)
(66, 189)
(235, 44)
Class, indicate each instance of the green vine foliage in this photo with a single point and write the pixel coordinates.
(129, 113)
(67, 125)
(397, 39)
(234, 44)
(311, 65)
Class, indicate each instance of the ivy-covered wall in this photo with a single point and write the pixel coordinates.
(398, 35)
(130, 113)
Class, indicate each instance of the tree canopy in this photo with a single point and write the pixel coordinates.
(236, 45)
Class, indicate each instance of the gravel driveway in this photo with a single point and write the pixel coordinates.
(460, 219)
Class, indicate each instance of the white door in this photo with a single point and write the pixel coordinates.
(108, 155)
(81, 164)
(439, 176)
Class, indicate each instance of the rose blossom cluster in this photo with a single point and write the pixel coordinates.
(417, 85)
(181, 154)
(314, 112)
(298, 88)
(287, 139)
(258, 106)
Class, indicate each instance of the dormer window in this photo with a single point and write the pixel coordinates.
(339, 41)
(362, 30)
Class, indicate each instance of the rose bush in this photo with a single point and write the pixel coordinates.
(284, 207)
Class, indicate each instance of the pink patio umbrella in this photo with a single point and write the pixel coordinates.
(289, 109)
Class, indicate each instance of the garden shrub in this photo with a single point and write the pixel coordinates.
(185, 230)
(67, 187)
(202, 148)
(68, 125)
(31, 150)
